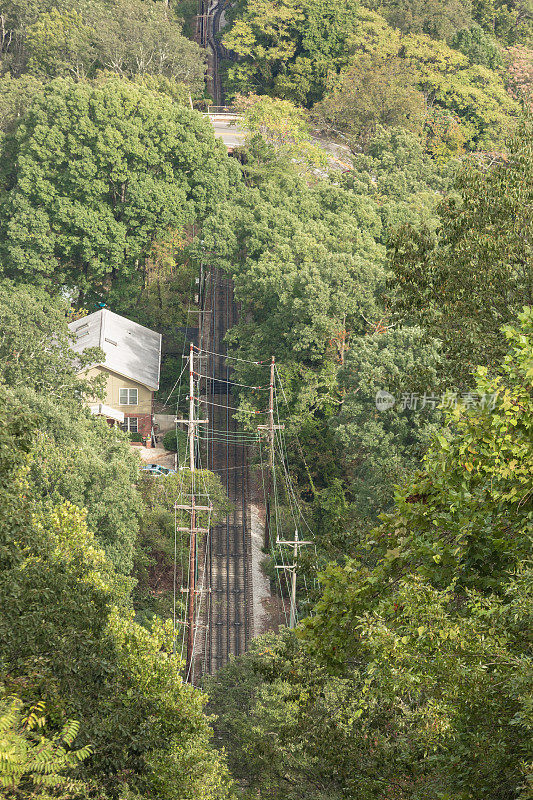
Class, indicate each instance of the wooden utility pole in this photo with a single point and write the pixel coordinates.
(271, 428)
(193, 530)
(271, 450)
(292, 617)
(192, 592)
(191, 411)
(292, 568)
(192, 541)
(271, 414)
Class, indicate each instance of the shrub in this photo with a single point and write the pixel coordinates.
(170, 441)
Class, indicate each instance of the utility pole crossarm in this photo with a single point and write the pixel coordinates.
(299, 543)
(193, 529)
(271, 427)
(295, 544)
(179, 506)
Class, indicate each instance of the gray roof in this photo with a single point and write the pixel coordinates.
(131, 350)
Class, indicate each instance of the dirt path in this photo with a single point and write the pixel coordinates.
(157, 455)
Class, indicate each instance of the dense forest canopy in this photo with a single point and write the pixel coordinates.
(401, 269)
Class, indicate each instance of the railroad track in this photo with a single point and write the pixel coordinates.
(208, 21)
(228, 602)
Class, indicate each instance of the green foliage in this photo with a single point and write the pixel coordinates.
(288, 49)
(374, 91)
(302, 259)
(31, 763)
(307, 269)
(423, 701)
(436, 18)
(399, 79)
(160, 549)
(478, 276)
(511, 21)
(429, 697)
(281, 125)
(16, 95)
(380, 446)
(466, 518)
(79, 39)
(404, 181)
(379, 71)
(74, 456)
(412, 678)
(67, 638)
(92, 175)
(35, 344)
(478, 47)
(134, 38)
(79, 458)
(176, 442)
(59, 43)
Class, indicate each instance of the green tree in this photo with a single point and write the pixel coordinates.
(93, 174)
(136, 38)
(437, 18)
(16, 95)
(68, 639)
(287, 49)
(35, 344)
(78, 458)
(60, 43)
(402, 178)
(403, 79)
(55, 38)
(31, 763)
(302, 259)
(511, 21)
(413, 675)
(465, 519)
(421, 701)
(478, 276)
(374, 91)
(75, 457)
(478, 47)
(379, 446)
(281, 125)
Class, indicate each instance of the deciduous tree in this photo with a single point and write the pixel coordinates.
(93, 174)
(478, 276)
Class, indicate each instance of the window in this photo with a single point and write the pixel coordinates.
(130, 424)
(128, 397)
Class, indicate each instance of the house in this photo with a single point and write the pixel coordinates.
(131, 367)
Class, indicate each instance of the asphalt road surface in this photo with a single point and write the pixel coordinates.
(228, 131)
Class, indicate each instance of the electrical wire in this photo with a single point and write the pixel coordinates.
(178, 381)
(230, 408)
(232, 382)
(236, 358)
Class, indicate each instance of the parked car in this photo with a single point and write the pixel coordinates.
(157, 470)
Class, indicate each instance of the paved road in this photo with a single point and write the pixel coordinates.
(228, 131)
